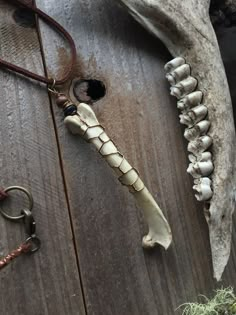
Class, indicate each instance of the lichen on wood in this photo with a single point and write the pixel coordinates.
(223, 303)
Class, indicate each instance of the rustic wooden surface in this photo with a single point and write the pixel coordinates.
(117, 275)
(48, 282)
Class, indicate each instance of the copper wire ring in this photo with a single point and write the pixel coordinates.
(36, 243)
(30, 200)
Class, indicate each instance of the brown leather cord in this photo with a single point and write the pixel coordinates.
(50, 21)
(3, 194)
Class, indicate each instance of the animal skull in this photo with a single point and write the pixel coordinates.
(186, 30)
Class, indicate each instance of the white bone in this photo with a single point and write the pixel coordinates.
(199, 129)
(183, 87)
(186, 30)
(159, 230)
(191, 100)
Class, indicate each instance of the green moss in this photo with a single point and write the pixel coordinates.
(224, 303)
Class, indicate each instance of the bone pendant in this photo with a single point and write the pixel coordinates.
(86, 125)
(186, 30)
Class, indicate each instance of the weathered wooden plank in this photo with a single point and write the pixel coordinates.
(118, 276)
(226, 38)
(47, 283)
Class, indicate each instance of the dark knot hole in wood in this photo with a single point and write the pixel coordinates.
(89, 91)
(24, 17)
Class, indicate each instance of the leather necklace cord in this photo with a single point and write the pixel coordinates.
(51, 22)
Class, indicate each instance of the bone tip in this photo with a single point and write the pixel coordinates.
(218, 270)
(148, 242)
(218, 276)
(221, 242)
(220, 257)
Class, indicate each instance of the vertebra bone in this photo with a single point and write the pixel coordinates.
(86, 125)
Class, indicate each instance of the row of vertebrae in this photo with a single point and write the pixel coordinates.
(127, 175)
(85, 123)
(194, 116)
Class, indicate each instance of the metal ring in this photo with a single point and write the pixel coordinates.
(52, 86)
(30, 199)
(36, 242)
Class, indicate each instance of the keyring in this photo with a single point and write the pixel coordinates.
(30, 200)
(33, 239)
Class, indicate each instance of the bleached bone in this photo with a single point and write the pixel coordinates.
(191, 100)
(186, 30)
(193, 116)
(184, 87)
(87, 126)
(198, 130)
(203, 189)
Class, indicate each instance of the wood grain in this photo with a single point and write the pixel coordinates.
(118, 276)
(226, 38)
(48, 282)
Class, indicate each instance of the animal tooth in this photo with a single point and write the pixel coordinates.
(198, 113)
(193, 116)
(185, 120)
(202, 180)
(200, 145)
(170, 78)
(178, 74)
(174, 63)
(205, 156)
(191, 100)
(184, 87)
(199, 129)
(203, 188)
(200, 169)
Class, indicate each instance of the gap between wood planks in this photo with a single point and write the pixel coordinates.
(61, 165)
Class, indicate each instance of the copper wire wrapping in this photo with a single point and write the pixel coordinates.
(22, 249)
